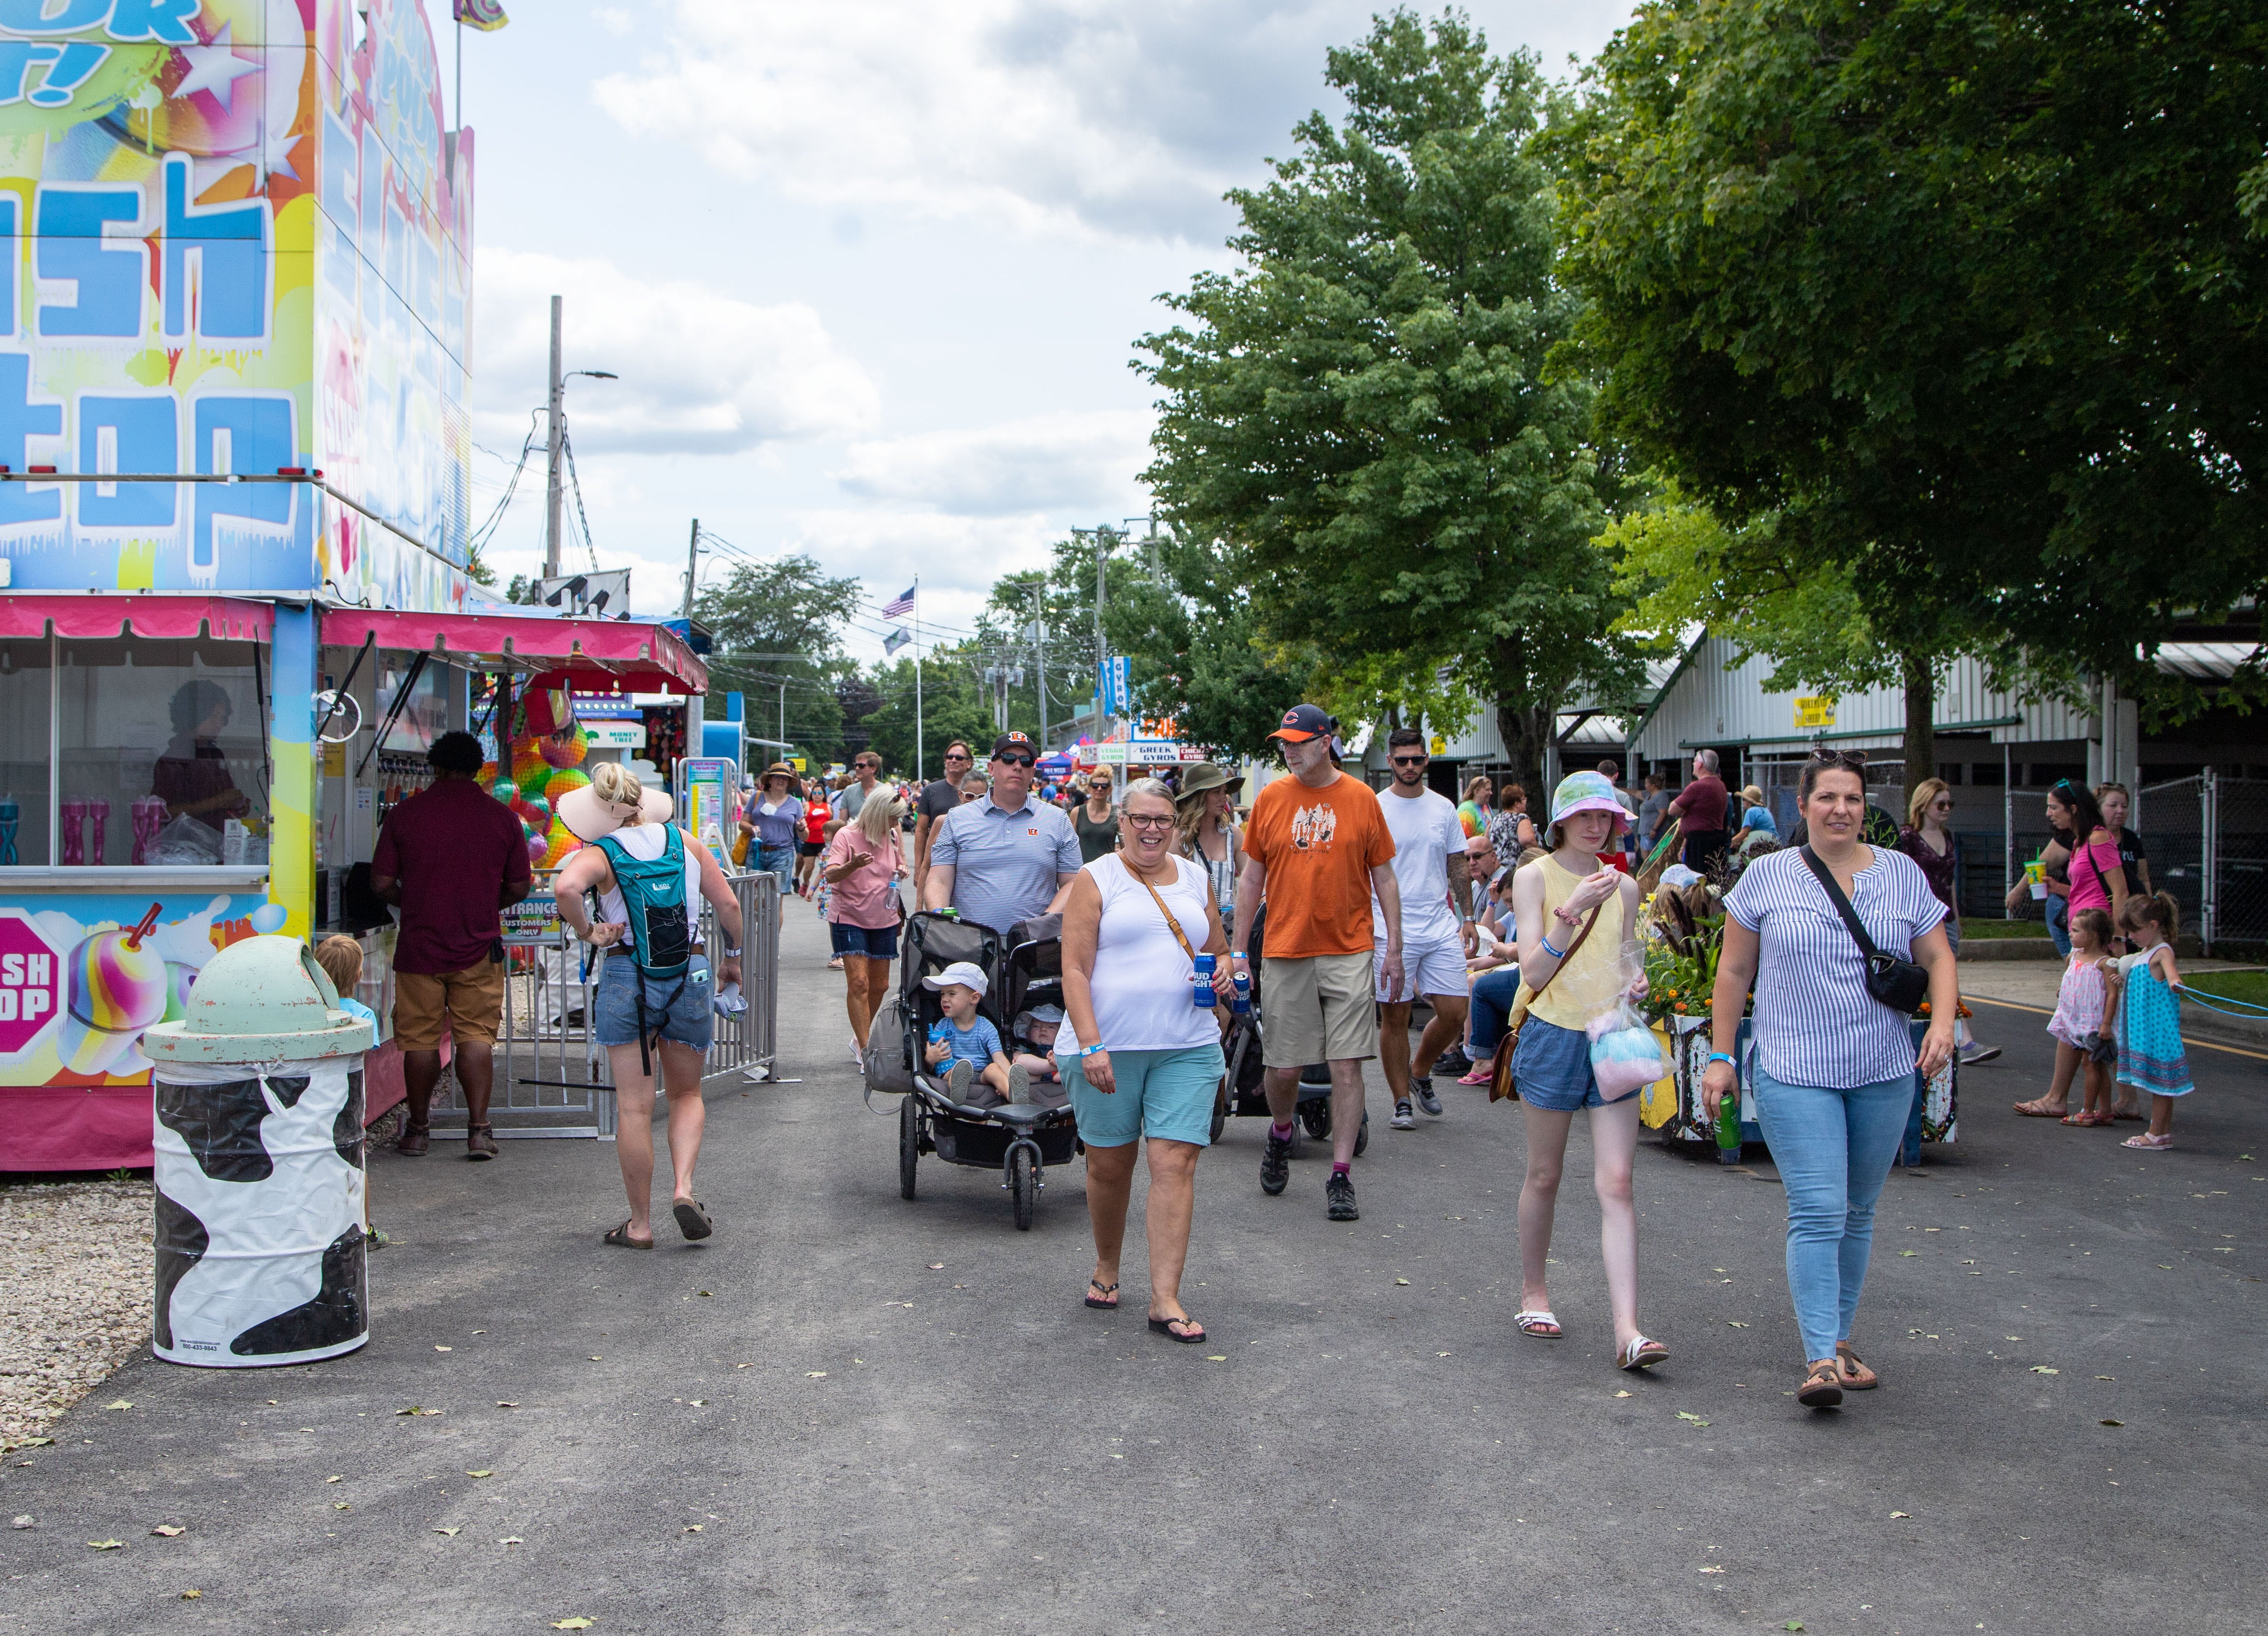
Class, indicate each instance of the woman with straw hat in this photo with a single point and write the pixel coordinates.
(776, 820)
(1205, 833)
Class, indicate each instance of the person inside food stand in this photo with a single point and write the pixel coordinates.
(192, 777)
(450, 857)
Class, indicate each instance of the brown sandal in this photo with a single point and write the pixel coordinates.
(1856, 1375)
(621, 1238)
(1823, 1387)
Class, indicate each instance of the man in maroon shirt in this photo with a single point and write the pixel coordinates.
(450, 857)
(1700, 810)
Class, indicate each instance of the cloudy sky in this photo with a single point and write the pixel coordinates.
(870, 273)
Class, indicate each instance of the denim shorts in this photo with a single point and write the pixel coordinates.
(1551, 1067)
(689, 1019)
(1161, 1094)
(874, 942)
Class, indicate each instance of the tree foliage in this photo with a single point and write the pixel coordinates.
(787, 606)
(1362, 422)
(1955, 304)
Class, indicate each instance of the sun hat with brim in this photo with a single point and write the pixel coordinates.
(1202, 776)
(1753, 795)
(588, 816)
(960, 971)
(1586, 792)
(778, 770)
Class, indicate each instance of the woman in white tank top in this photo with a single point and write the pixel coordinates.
(1140, 1057)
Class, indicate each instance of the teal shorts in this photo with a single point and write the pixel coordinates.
(1166, 1095)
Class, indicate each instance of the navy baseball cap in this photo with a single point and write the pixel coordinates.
(1013, 743)
(1303, 722)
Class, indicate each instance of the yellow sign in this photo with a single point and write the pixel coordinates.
(1438, 746)
(1815, 712)
(796, 761)
(335, 760)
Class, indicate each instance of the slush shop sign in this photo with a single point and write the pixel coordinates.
(31, 974)
(1815, 712)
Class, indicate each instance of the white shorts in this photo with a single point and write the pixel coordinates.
(1434, 966)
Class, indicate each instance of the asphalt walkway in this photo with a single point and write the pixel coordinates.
(848, 1412)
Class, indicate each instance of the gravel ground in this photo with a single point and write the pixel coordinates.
(74, 1288)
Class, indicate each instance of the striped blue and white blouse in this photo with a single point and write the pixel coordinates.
(1815, 1024)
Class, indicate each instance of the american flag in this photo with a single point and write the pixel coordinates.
(899, 605)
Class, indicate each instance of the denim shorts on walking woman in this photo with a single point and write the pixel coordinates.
(1551, 1068)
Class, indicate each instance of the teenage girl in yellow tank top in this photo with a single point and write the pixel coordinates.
(1552, 900)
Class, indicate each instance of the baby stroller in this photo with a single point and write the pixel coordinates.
(1022, 969)
(1241, 1089)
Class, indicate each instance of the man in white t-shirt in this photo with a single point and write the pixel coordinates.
(1437, 927)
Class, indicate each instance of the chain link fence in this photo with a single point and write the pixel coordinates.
(2208, 843)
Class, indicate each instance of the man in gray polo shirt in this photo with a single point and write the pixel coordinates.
(1006, 858)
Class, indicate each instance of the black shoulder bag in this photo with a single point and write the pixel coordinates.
(1900, 984)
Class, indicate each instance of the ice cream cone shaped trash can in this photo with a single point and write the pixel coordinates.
(257, 1126)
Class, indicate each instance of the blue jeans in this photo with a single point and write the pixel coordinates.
(2060, 924)
(780, 861)
(1493, 995)
(1833, 1148)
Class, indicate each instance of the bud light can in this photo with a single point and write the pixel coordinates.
(1240, 1005)
(1201, 993)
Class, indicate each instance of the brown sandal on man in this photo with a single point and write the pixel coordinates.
(622, 1240)
(480, 1142)
(1822, 1386)
(414, 1141)
(1856, 1375)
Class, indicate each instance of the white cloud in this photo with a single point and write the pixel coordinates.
(1121, 118)
(701, 373)
(1047, 462)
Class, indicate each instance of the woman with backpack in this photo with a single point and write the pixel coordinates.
(655, 995)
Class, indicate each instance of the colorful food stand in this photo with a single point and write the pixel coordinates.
(234, 441)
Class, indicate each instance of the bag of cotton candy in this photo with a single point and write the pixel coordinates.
(1624, 1054)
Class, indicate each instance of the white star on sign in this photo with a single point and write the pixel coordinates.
(215, 68)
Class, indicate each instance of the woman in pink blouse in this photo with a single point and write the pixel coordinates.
(2098, 880)
(864, 865)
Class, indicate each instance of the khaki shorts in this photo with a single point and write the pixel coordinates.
(1317, 1010)
(472, 1000)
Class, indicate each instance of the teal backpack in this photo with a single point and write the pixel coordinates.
(660, 922)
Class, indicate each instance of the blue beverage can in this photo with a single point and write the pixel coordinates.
(1201, 992)
(1241, 1004)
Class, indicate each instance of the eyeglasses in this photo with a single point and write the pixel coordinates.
(1140, 821)
(1409, 760)
(1943, 804)
(1014, 760)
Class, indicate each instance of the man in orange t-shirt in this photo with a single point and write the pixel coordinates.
(1320, 840)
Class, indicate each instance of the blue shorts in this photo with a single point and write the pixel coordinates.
(1551, 1068)
(690, 1019)
(874, 942)
(1161, 1094)
(779, 860)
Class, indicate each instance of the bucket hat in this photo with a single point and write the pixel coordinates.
(1586, 792)
(1201, 775)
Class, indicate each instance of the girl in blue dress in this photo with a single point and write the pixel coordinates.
(2147, 1010)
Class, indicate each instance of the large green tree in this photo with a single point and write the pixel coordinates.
(777, 628)
(1363, 419)
(1955, 303)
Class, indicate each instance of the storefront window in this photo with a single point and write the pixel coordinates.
(162, 749)
(24, 752)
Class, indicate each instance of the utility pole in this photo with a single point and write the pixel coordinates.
(1102, 654)
(1040, 645)
(558, 431)
(692, 566)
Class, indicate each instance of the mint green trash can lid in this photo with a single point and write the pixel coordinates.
(262, 999)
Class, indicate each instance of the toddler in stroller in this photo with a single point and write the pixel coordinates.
(970, 1044)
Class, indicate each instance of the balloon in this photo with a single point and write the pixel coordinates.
(566, 780)
(529, 770)
(566, 748)
(505, 791)
(561, 842)
(267, 918)
(537, 845)
(488, 775)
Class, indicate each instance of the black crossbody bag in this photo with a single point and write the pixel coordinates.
(1898, 984)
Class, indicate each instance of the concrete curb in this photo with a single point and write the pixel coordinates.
(1976, 949)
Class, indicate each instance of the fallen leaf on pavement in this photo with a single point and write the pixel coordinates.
(415, 1409)
(511, 1539)
(167, 1530)
(815, 1375)
(2041, 1368)
(1901, 1514)
(699, 1403)
(192, 1593)
(595, 1358)
(338, 1504)
(480, 1474)
(505, 1402)
(1909, 1252)
(937, 1266)
(104, 1544)
(451, 1532)
(22, 1521)
(1732, 1325)
(1215, 1357)
(2106, 1377)
(1402, 1281)
(334, 1480)
(1713, 1570)
(577, 1624)
(120, 1404)
(444, 1349)
(1695, 1418)
(703, 1291)
(2114, 1422)
(1792, 1624)
(694, 1528)
(1622, 1394)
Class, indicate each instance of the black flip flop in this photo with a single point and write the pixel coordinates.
(1165, 1327)
(622, 1240)
(692, 1221)
(1108, 1289)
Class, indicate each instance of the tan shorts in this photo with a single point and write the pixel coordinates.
(472, 1000)
(1317, 1010)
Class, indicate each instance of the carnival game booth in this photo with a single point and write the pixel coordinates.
(163, 796)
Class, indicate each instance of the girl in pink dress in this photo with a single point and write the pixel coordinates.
(2077, 1024)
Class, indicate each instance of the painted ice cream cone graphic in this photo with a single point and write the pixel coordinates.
(119, 986)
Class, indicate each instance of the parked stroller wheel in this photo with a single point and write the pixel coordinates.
(909, 1145)
(1023, 1186)
(1362, 1136)
(1219, 1112)
(1317, 1117)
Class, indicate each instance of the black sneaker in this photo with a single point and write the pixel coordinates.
(1453, 1063)
(1421, 1086)
(1338, 1193)
(1403, 1119)
(1276, 1163)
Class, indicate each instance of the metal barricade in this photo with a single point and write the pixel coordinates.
(552, 1075)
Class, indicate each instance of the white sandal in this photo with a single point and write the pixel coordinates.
(1643, 1352)
(1540, 1324)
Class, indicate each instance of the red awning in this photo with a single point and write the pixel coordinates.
(595, 655)
(171, 618)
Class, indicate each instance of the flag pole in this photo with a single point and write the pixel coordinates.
(920, 756)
